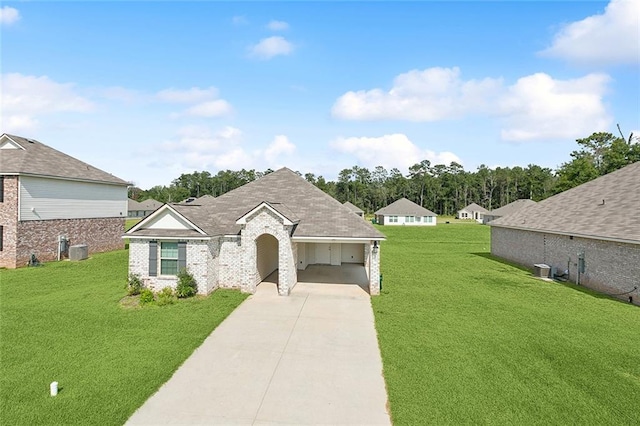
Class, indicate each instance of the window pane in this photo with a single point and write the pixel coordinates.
(169, 250)
(168, 267)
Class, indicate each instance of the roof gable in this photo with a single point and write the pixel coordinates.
(404, 207)
(242, 220)
(37, 159)
(604, 208)
(473, 207)
(166, 218)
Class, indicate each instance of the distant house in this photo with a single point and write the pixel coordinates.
(507, 209)
(585, 234)
(472, 211)
(143, 208)
(49, 201)
(405, 212)
(357, 210)
(278, 223)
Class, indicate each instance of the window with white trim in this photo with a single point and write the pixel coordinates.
(408, 219)
(428, 219)
(168, 258)
(393, 219)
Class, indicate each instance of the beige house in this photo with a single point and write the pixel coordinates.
(472, 211)
(584, 234)
(507, 209)
(279, 223)
(50, 201)
(405, 212)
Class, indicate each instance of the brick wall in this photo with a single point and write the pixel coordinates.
(610, 267)
(40, 237)
(372, 267)
(199, 261)
(9, 222)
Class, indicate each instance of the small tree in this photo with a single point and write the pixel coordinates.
(187, 285)
(134, 285)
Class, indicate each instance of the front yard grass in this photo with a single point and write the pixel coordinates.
(467, 339)
(63, 322)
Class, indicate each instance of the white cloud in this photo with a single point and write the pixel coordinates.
(535, 107)
(280, 146)
(389, 151)
(608, 38)
(198, 148)
(25, 98)
(539, 107)
(269, 47)
(205, 101)
(239, 20)
(195, 94)
(278, 26)
(215, 108)
(429, 95)
(9, 15)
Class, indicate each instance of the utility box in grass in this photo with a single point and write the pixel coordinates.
(541, 270)
(78, 252)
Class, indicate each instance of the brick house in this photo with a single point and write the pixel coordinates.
(279, 222)
(591, 233)
(405, 212)
(47, 196)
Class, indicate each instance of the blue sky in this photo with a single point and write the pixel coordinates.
(150, 90)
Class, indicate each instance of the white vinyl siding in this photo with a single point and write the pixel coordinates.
(409, 220)
(45, 199)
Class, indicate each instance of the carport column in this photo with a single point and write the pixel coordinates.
(374, 268)
(248, 262)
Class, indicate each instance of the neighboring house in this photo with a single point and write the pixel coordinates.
(591, 232)
(49, 200)
(473, 211)
(357, 210)
(139, 209)
(278, 222)
(507, 209)
(405, 212)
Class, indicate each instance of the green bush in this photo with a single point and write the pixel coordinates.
(166, 297)
(134, 285)
(146, 296)
(187, 285)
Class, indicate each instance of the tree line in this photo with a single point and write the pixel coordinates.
(443, 189)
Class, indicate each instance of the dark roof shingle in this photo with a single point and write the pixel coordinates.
(404, 207)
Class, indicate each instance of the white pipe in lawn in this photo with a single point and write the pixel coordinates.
(54, 388)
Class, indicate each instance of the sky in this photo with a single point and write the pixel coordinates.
(151, 90)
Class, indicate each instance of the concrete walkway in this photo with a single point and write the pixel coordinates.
(310, 358)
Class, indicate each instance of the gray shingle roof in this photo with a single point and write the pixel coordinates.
(149, 204)
(512, 207)
(404, 207)
(317, 213)
(41, 160)
(473, 207)
(604, 208)
(353, 207)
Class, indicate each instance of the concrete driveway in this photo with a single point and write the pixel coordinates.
(310, 358)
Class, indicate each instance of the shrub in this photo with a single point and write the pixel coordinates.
(146, 296)
(166, 297)
(187, 285)
(134, 285)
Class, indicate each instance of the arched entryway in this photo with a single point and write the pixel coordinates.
(267, 259)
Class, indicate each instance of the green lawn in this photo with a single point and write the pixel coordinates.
(467, 339)
(63, 322)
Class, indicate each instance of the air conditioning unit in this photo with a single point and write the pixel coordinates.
(541, 270)
(78, 252)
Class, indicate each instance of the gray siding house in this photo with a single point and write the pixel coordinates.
(49, 200)
(591, 233)
(279, 222)
(139, 209)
